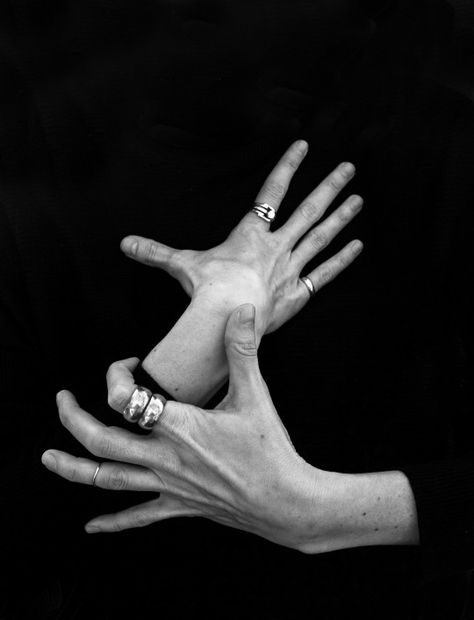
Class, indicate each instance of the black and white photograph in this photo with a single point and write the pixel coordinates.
(236, 309)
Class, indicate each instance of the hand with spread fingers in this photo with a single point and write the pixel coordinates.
(253, 265)
(235, 465)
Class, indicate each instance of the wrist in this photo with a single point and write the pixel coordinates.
(354, 510)
(220, 300)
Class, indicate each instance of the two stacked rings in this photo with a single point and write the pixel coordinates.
(144, 407)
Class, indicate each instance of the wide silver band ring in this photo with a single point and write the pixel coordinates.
(265, 211)
(309, 285)
(137, 404)
(153, 411)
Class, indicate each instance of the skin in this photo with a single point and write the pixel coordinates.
(253, 265)
(235, 465)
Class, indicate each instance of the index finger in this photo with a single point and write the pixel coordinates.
(276, 184)
(121, 383)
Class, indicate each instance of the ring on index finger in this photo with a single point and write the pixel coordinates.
(265, 211)
(137, 404)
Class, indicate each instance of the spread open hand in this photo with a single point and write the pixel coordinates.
(258, 266)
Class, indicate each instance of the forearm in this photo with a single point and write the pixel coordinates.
(356, 510)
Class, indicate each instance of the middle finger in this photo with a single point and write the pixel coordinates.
(111, 443)
(314, 206)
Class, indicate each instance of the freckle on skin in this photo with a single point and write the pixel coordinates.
(378, 499)
(262, 436)
(376, 529)
(363, 514)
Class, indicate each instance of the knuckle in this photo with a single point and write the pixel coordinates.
(309, 210)
(275, 190)
(118, 479)
(336, 181)
(319, 239)
(292, 162)
(326, 275)
(246, 348)
(71, 474)
(101, 446)
(141, 519)
(118, 396)
(150, 252)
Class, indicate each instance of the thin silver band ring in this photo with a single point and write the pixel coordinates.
(95, 474)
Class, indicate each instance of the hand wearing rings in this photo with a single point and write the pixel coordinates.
(253, 264)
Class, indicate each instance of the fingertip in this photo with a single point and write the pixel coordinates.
(302, 146)
(357, 246)
(91, 528)
(49, 460)
(129, 245)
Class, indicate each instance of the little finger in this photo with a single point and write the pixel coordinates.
(165, 507)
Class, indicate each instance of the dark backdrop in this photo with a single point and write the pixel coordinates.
(146, 117)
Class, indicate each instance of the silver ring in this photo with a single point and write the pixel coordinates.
(95, 474)
(137, 404)
(153, 411)
(265, 211)
(309, 285)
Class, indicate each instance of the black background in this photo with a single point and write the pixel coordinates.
(147, 117)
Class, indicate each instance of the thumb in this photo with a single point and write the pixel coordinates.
(241, 350)
(149, 252)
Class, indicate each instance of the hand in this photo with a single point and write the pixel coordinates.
(234, 465)
(255, 265)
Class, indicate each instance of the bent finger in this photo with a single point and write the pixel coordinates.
(276, 184)
(319, 237)
(121, 383)
(331, 268)
(141, 515)
(113, 476)
(116, 444)
(315, 205)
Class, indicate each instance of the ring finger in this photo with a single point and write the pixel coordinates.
(114, 476)
(276, 185)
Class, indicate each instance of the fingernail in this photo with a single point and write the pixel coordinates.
(302, 146)
(49, 461)
(247, 313)
(92, 529)
(130, 246)
(348, 167)
(58, 396)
